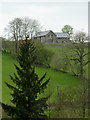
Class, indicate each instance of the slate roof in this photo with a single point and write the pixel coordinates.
(62, 35)
(58, 34)
(43, 33)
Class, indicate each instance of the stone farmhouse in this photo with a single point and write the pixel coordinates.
(50, 37)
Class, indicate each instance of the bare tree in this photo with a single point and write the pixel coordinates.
(80, 52)
(14, 30)
(81, 59)
(30, 27)
(19, 28)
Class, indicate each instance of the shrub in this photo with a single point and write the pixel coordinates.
(44, 55)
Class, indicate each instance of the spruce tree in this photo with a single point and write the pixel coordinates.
(27, 86)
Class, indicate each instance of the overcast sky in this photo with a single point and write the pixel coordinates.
(52, 14)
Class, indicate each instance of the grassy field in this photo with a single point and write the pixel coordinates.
(56, 78)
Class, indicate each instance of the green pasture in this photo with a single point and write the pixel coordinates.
(56, 78)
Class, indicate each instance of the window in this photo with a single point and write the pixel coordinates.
(50, 36)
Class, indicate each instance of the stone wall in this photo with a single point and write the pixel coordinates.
(51, 38)
(63, 40)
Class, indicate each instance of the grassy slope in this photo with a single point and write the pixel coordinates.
(56, 78)
(7, 69)
(67, 50)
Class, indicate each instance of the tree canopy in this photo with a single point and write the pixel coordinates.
(67, 29)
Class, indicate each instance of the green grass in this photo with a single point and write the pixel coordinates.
(62, 50)
(56, 78)
(7, 69)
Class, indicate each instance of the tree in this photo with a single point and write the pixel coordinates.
(67, 29)
(27, 87)
(30, 27)
(19, 28)
(14, 31)
(80, 58)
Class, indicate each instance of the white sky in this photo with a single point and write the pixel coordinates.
(52, 14)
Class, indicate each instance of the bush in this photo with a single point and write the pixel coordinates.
(60, 61)
(71, 102)
(9, 47)
(44, 55)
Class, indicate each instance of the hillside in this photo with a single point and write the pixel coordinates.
(56, 78)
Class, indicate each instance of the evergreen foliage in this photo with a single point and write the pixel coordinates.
(27, 86)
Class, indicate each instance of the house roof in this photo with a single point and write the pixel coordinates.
(58, 34)
(43, 33)
(62, 35)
